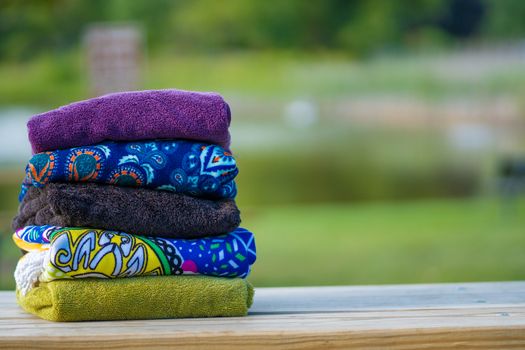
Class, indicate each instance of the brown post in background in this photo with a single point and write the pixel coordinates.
(114, 54)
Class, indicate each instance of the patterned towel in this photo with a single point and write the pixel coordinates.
(196, 169)
(133, 210)
(138, 298)
(81, 252)
(132, 116)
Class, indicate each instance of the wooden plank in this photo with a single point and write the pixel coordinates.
(445, 316)
(314, 299)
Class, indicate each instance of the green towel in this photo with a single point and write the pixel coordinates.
(138, 298)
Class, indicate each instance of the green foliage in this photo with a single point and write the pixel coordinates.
(506, 20)
(49, 81)
(358, 27)
(33, 27)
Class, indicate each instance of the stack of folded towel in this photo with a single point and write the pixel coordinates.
(127, 211)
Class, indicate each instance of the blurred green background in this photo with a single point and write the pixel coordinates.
(374, 138)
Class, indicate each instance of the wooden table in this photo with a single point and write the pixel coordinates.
(439, 316)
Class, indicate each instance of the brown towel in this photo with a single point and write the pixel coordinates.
(133, 210)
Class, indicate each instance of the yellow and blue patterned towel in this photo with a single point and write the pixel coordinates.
(83, 252)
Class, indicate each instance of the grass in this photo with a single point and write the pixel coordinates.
(402, 242)
(412, 242)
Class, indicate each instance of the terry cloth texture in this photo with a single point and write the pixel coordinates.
(132, 210)
(138, 298)
(131, 116)
(82, 252)
(29, 269)
(196, 169)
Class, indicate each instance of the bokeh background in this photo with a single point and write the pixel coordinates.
(378, 141)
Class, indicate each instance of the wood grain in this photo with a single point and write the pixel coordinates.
(441, 316)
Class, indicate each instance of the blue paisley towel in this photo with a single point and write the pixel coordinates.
(193, 168)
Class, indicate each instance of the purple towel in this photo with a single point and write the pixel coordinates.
(131, 116)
